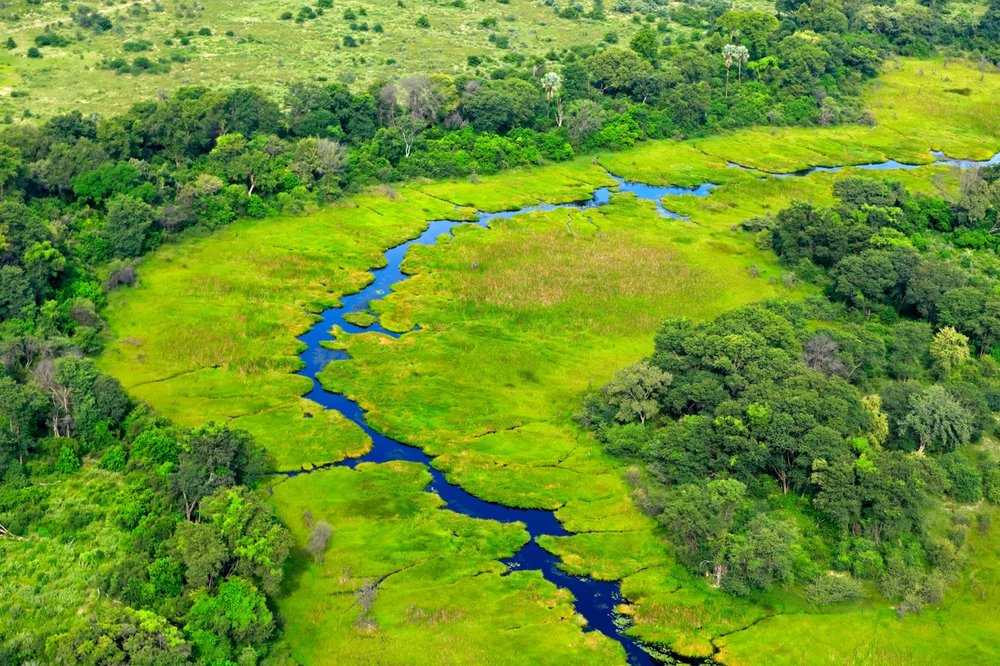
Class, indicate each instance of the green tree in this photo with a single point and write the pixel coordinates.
(258, 544)
(939, 422)
(614, 70)
(646, 44)
(699, 518)
(247, 162)
(129, 220)
(214, 457)
(155, 446)
(15, 292)
(120, 635)
(22, 411)
(236, 615)
(11, 163)
(949, 350)
(635, 392)
(761, 556)
(865, 280)
(499, 106)
(203, 553)
(751, 28)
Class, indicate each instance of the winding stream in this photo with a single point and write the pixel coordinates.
(595, 600)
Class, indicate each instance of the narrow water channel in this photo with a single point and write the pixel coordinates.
(594, 600)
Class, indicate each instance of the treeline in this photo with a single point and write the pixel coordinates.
(182, 552)
(780, 441)
(85, 192)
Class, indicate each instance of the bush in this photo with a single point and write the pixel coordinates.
(628, 440)
(966, 480)
(991, 485)
(136, 46)
(423, 22)
(833, 589)
(33, 52)
(868, 564)
(113, 459)
(67, 463)
(51, 39)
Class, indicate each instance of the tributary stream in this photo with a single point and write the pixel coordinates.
(595, 600)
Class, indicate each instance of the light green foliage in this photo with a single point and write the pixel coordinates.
(236, 613)
(949, 349)
(634, 391)
(938, 420)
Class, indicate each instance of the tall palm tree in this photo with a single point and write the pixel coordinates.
(729, 52)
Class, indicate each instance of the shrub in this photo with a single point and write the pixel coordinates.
(67, 463)
(33, 52)
(991, 485)
(833, 589)
(136, 46)
(966, 480)
(423, 22)
(113, 459)
(51, 39)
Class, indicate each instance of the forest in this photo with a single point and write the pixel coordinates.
(821, 434)
(827, 401)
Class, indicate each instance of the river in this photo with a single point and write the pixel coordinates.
(595, 600)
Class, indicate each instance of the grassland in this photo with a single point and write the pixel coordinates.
(250, 44)
(516, 323)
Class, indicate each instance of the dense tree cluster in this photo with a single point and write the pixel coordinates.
(782, 440)
(197, 552)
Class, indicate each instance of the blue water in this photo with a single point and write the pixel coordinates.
(888, 165)
(594, 600)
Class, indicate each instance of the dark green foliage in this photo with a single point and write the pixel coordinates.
(821, 407)
(214, 457)
(128, 222)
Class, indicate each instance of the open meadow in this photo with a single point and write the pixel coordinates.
(225, 44)
(516, 323)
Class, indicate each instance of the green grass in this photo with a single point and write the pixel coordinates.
(441, 598)
(961, 629)
(269, 52)
(517, 323)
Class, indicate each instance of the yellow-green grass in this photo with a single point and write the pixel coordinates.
(519, 320)
(517, 323)
(961, 629)
(209, 332)
(443, 596)
(280, 52)
(914, 112)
